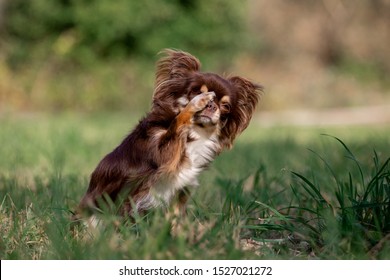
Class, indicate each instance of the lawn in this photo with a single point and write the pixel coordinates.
(280, 193)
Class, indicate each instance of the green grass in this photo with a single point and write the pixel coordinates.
(280, 193)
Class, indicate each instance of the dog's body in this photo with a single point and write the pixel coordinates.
(194, 116)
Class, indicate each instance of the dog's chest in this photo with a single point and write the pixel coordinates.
(199, 152)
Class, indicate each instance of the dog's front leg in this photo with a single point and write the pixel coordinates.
(172, 143)
(178, 211)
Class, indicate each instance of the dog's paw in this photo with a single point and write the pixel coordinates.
(199, 102)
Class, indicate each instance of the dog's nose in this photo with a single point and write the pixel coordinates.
(211, 106)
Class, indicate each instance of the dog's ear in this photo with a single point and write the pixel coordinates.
(175, 64)
(244, 102)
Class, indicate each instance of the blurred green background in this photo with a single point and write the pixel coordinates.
(75, 75)
(99, 55)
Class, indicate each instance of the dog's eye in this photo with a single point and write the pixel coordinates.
(195, 90)
(225, 107)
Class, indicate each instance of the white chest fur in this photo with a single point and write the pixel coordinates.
(200, 151)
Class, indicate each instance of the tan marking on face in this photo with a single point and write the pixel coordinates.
(204, 88)
(226, 99)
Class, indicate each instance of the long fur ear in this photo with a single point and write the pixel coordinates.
(172, 72)
(246, 99)
(175, 64)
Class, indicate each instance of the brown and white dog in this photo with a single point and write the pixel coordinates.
(194, 117)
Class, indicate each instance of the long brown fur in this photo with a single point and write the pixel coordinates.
(194, 116)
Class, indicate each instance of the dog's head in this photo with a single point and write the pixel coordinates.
(179, 80)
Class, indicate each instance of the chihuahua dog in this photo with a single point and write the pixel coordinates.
(194, 116)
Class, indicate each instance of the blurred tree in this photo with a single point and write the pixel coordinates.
(104, 29)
